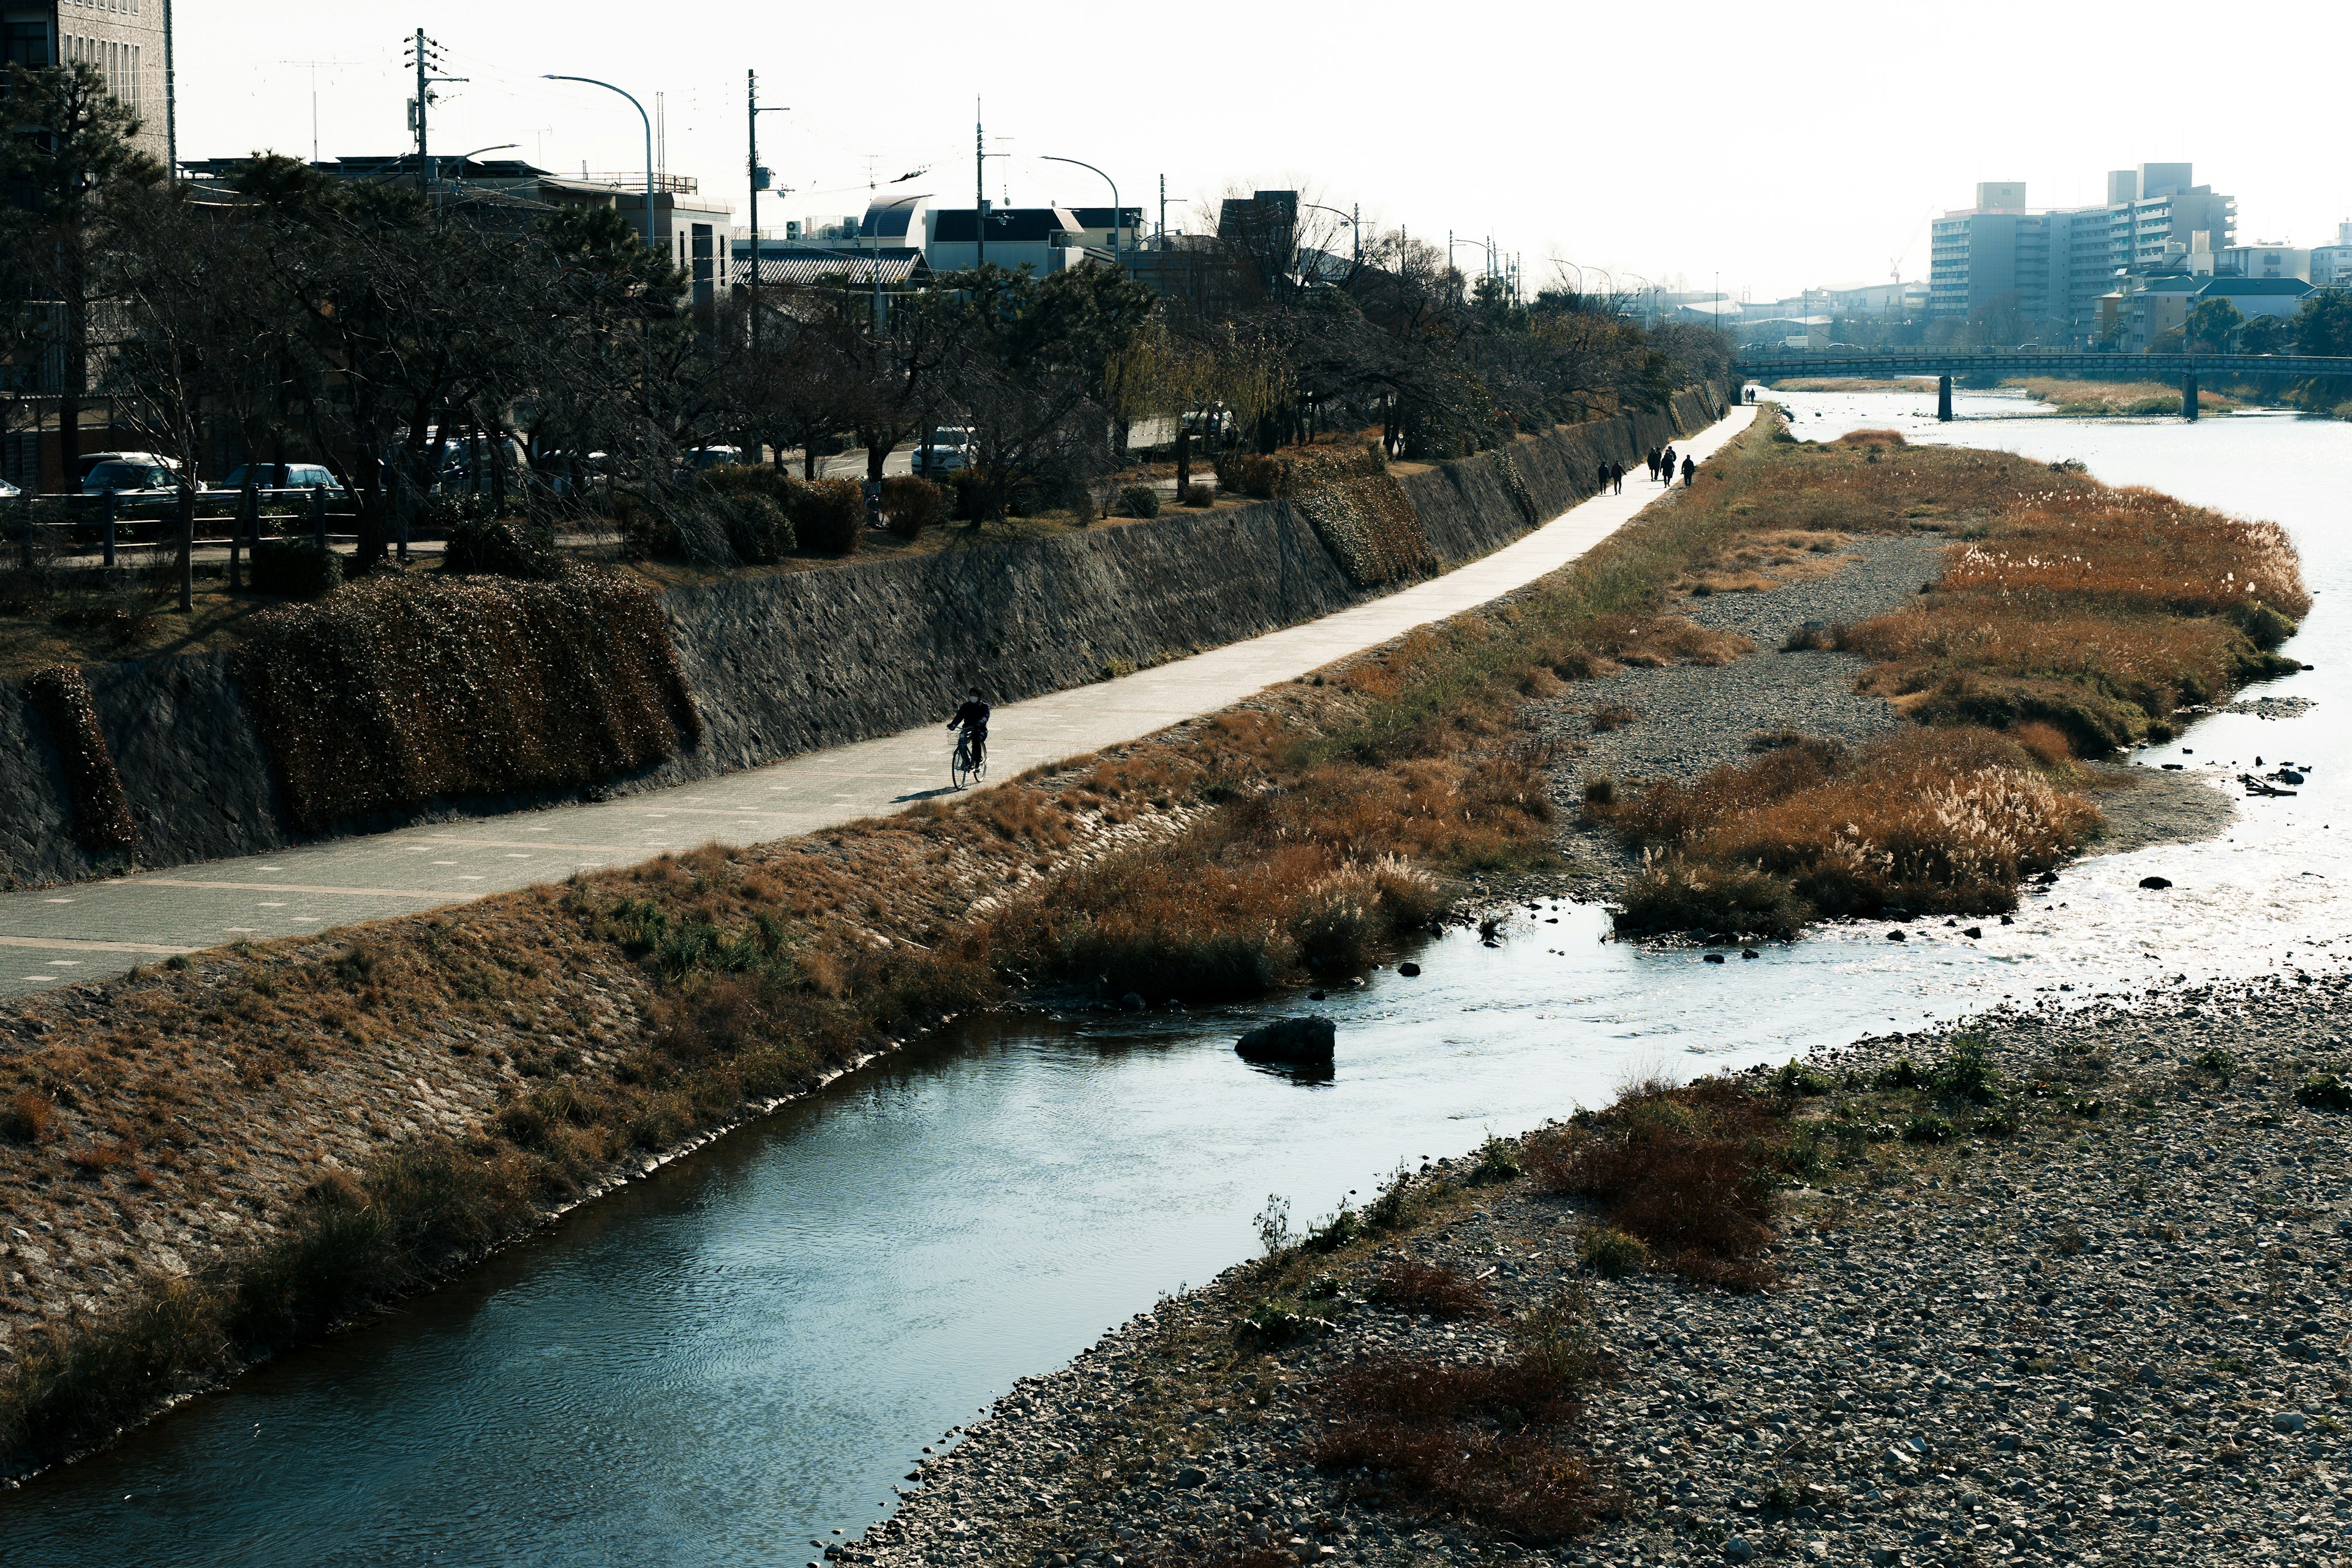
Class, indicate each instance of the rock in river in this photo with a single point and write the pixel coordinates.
(1295, 1042)
(2157, 883)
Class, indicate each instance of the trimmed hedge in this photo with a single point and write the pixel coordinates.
(295, 569)
(910, 505)
(404, 690)
(499, 549)
(101, 811)
(830, 515)
(1139, 500)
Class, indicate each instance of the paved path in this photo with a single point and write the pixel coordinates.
(49, 936)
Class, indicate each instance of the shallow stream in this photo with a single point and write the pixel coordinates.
(725, 1362)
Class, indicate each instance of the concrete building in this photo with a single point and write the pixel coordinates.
(2268, 259)
(2257, 296)
(127, 41)
(2331, 265)
(2053, 266)
(1046, 239)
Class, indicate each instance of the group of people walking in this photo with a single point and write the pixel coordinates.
(1611, 477)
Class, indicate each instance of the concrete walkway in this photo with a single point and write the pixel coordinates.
(89, 930)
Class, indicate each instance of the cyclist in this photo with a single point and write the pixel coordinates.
(972, 719)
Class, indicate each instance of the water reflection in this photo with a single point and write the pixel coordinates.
(717, 1364)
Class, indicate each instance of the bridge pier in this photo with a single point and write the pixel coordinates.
(2189, 394)
(1944, 398)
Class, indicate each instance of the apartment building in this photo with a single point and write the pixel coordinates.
(2054, 266)
(129, 42)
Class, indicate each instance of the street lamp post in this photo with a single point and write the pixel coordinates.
(646, 325)
(1354, 220)
(1115, 215)
(641, 115)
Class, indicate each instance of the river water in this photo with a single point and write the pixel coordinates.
(743, 1353)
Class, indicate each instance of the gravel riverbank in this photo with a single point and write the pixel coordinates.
(2101, 1321)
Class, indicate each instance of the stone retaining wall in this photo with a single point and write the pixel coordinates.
(785, 665)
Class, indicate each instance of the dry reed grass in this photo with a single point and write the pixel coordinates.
(1441, 1292)
(1924, 820)
(2102, 397)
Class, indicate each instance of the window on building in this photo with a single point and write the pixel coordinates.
(25, 44)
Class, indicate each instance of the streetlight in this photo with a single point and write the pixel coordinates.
(1106, 180)
(1354, 221)
(645, 324)
(641, 115)
(1451, 242)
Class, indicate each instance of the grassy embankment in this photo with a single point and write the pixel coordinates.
(1855, 383)
(2072, 619)
(580, 1027)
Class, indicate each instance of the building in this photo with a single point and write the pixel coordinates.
(2331, 265)
(689, 227)
(2054, 266)
(1096, 223)
(127, 41)
(1044, 239)
(2133, 318)
(2272, 259)
(2257, 296)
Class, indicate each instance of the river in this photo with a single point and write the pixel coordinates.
(744, 1353)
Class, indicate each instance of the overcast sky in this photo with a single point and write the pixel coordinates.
(1775, 146)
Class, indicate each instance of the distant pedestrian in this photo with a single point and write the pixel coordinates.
(1617, 476)
(1690, 473)
(1667, 465)
(1601, 474)
(1654, 465)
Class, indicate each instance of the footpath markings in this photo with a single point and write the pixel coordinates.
(111, 924)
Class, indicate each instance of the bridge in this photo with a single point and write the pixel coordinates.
(1944, 363)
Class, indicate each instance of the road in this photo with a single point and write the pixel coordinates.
(86, 931)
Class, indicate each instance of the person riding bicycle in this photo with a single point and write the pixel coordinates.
(972, 718)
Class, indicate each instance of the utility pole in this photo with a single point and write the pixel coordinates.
(426, 57)
(979, 189)
(1163, 212)
(760, 178)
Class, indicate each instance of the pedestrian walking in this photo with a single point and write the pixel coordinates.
(1601, 474)
(1654, 465)
(1690, 473)
(1617, 476)
(1667, 465)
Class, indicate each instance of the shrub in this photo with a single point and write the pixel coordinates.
(1967, 1072)
(1441, 1292)
(2323, 1091)
(1612, 1253)
(27, 1116)
(1499, 1161)
(1611, 717)
(295, 569)
(1927, 1128)
(404, 690)
(1670, 894)
(829, 516)
(758, 529)
(102, 818)
(2213, 1060)
(497, 548)
(1797, 1078)
(1139, 500)
(1690, 1172)
(751, 480)
(910, 505)
(1198, 494)
(2044, 742)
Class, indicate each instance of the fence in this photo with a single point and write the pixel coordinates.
(96, 531)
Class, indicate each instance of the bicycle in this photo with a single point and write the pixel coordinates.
(969, 763)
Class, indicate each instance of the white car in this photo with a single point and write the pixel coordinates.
(285, 477)
(948, 451)
(123, 476)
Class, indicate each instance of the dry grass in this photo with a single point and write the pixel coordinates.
(2098, 398)
(1856, 384)
(1923, 821)
(1693, 1173)
(1437, 1290)
(2095, 611)
(1488, 1444)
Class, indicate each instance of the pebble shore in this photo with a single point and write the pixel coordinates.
(2116, 1335)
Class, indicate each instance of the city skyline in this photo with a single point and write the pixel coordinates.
(1720, 164)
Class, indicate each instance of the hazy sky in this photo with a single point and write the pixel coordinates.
(1778, 146)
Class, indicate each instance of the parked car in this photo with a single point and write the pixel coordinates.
(89, 461)
(563, 470)
(714, 457)
(949, 451)
(8, 491)
(285, 477)
(132, 479)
